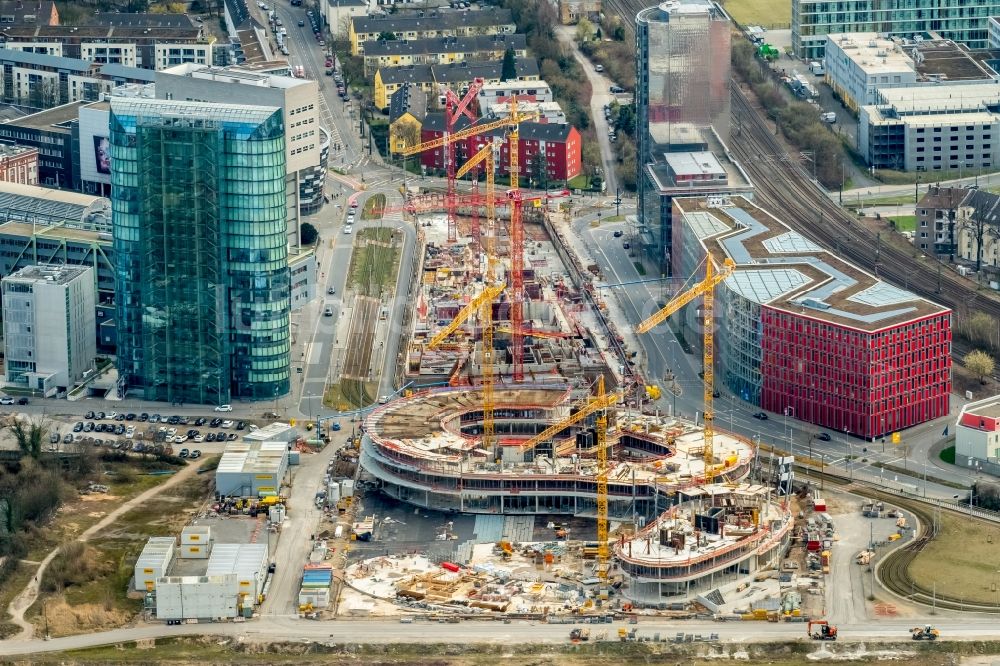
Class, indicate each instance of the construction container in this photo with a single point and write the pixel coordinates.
(251, 469)
(196, 534)
(196, 597)
(294, 458)
(450, 566)
(191, 551)
(153, 562)
(819, 505)
(248, 561)
(347, 488)
(315, 598)
(276, 514)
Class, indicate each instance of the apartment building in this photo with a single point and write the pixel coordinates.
(28, 12)
(53, 133)
(958, 20)
(457, 75)
(548, 154)
(429, 24)
(441, 50)
(149, 41)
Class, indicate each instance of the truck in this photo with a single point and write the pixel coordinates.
(768, 52)
(925, 633)
(578, 634)
(825, 631)
(816, 67)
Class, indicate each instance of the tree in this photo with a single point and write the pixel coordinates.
(625, 122)
(980, 364)
(584, 30)
(29, 436)
(979, 328)
(978, 227)
(387, 36)
(308, 234)
(508, 71)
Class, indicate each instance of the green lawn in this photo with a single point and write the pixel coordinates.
(948, 455)
(905, 222)
(373, 208)
(765, 13)
(373, 262)
(581, 182)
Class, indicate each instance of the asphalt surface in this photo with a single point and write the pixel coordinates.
(270, 628)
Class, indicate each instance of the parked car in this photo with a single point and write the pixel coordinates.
(195, 454)
(68, 438)
(240, 425)
(144, 417)
(78, 427)
(227, 424)
(54, 438)
(210, 437)
(184, 453)
(89, 415)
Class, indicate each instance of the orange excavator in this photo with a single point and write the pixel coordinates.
(825, 632)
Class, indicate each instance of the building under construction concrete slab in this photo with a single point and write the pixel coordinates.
(425, 450)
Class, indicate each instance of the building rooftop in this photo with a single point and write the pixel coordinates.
(470, 44)
(928, 59)
(100, 32)
(663, 174)
(988, 408)
(8, 150)
(55, 119)
(268, 433)
(694, 164)
(123, 73)
(252, 458)
(942, 197)
(465, 71)
(41, 60)
(443, 19)
(41, 206)
(408, 99)
(941, 99)
(144, 20)
(407, 74)
(234, 74)
(32, 11)
(783, 269)
(48, 273)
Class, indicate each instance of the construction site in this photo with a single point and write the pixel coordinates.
(523, 399)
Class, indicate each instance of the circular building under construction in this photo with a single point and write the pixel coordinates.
(427, 450)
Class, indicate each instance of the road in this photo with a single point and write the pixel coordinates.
(304, 50)
(599, 96)
(367, 631)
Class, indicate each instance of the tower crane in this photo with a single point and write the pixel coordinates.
(602, 488)
(487, 366)
(705, 289)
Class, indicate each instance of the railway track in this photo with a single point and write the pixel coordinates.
(783, 185)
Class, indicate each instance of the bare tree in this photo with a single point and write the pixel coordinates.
(979, 225)
(979, 363)
(29, 436)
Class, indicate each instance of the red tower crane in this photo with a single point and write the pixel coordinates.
(455, 108)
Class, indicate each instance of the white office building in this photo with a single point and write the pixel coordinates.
(50, 335)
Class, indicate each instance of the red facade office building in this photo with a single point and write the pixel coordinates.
(801, 332)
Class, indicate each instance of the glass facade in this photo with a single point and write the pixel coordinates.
(198, 201)
(958, 20)
(681, 95)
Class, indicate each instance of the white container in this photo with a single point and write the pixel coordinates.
(196, 534)
(332, 493)
(277, 514)
(153, 562)
(347, 488)
(339, 532)
(190, 551)
(196, 597)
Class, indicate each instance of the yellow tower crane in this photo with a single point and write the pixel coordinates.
(595, 404)
(705, 289)
(487, 365)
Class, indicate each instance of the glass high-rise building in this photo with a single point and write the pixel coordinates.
(682, 101)
(201, 251)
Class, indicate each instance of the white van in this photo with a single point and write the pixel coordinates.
(828, 117)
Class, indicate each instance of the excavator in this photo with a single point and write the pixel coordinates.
(925, 633)
(826, 631)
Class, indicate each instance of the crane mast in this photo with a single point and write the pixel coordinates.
(705, 289)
